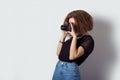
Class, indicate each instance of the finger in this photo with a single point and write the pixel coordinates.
(68, 32)
(71, 25)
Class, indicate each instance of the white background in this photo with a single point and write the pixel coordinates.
(30, 31)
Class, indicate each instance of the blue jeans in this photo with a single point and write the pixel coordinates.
(66, 71)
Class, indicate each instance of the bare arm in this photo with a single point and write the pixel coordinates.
(62, 39)
(74, 51)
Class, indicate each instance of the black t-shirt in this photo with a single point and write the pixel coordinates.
(85, 41)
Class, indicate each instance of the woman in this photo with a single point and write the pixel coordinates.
(74, 51)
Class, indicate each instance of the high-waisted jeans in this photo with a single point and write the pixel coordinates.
(66, 71)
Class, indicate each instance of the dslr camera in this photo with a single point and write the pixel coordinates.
(66, 27)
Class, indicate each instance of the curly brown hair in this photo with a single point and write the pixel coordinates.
(84, 21)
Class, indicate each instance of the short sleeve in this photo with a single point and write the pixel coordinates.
(88, 44)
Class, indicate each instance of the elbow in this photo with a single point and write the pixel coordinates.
(73, 54)
(71, 57)
(57, 53)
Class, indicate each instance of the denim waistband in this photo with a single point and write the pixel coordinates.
(66, 71)
(65, 62)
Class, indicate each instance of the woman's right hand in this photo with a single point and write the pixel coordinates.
(64, 33)
(63, 36)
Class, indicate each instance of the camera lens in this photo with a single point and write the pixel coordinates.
(66, 27)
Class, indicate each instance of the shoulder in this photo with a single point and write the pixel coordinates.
(86, 40)
(86, 37)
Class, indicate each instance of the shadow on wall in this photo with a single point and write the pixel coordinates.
(99, 64)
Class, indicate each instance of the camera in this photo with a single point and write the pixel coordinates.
(66, 27)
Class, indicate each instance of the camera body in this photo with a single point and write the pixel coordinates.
(66, 27)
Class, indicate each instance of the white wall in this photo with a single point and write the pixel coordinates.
(30, 31)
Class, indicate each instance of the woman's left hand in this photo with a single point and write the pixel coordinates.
(72, 32)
